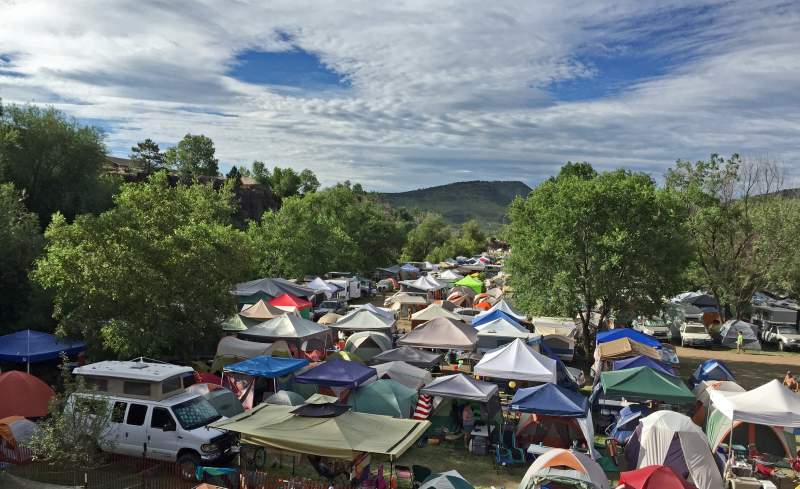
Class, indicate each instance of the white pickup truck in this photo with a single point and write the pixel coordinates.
(784, 335)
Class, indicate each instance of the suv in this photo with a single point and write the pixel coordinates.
(656, 328)
(334, 306)
(695, 334)
(785, 335)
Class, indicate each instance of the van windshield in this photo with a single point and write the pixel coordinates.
(195, 413)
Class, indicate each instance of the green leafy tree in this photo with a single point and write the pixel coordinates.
(151, 273)
(583, 243)
(469, 241)
(193, 156)
(430, 232)
(54, 160)
(285, 182)
(779, 225)
(147, 156)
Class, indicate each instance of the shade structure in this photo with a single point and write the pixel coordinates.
(266, 366)
(23, 395)
(551, 400)
(230, 346)
(711, 369)
(450, 276)
(284, 327)
(322, 286)
(442, 333)
(644, 383)
(730, 330)
(459, 386)
(642, 361)
(410, 355)
(385, 397)
(771, 404)
(625, 348)
(672, 439)
(472, 283)
(653, 477)
(404, 298)
(234, 324)
(503, 306)
(404, 373)
(517, 361)
(704, 389)
(434, 311)
(503, 328)
(632, 334)
(446, 480)
(285, 398)
(33, 346)
(291, 301)
(329, 318)
(337, 373)
(376, 310)
(367, 344)
(261, 288)
(580, 468)
(492, 316)
(364, 320)
(554, 325)
(424, 283)
(262, 311)
(344, 436)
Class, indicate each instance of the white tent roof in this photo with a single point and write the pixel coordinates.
(286, 326)
(425, 283)
(503, 328)
(450, 275)
(434, 311)
(517, 361)
(233, 346)
(502, 305)
(459, 386)
(319, 284)
(363, 320)
(404, 373)
(704, 389)
(772, 404)
(377, 310)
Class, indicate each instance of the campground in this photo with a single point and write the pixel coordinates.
(752, 369)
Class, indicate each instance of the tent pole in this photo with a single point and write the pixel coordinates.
(729, 470)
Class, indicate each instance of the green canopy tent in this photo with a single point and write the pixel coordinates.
(471, 282)
(644, 383)
(384, 396)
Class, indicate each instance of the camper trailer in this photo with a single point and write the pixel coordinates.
(348, 282)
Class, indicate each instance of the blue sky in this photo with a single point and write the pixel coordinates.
(404, 95)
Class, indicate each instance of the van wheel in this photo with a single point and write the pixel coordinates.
(187, 466)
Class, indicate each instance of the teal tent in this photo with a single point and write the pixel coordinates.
(385, 397)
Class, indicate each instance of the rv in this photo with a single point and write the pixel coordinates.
(350, 284)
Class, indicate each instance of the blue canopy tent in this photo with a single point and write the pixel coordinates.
(641, 361)
(711, 370)
(491, 316)
(337, 373)
(33, 347)
(266, 366)
(632, 334)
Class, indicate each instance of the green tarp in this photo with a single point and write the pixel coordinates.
(386, 397)
(644, 383)
(471, 282)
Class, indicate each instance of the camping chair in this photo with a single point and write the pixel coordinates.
(507, 452)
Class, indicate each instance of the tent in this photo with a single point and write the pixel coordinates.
(23, 395)
(703, 390)
(626, 422)
(364, 320)
(409, 268)
(404, 373)
(782, 408)
(503, 306)
(646, 384)
(285, 398)
(441, 333)
(672, 439)
(765, 439)
(385, 397)
(367, 344)
(711, 370)
(493, 316)
(624, 348)
(567, 467)
(376, 310)
(459, 386)
(517, 361)
(433, 311)
(552, 325)
(291, 302)
(653, 477)
(234, 324)
(642, 361)
(231, 346)
(261, 311)
(561, 346)
(730, 329)
(329, 318)
(346, 356)
(33, 347)
(446, 480)
(424, 283)
(322, 286)
(344, 436)
(632, 334)
(498, 332)
(265, 366)
(15, 433)
(286, 327)
(267, 288)
(450, 276)
(337, 373)
(461, 295)
(412, 356)
(471, 282)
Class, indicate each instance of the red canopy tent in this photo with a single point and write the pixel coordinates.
(653, 477)
(288, 300)
(23, 395)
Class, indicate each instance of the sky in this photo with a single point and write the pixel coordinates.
(406, 94)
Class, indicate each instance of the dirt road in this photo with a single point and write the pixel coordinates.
(751, 369)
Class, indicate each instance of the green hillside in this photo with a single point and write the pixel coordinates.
(458, 202)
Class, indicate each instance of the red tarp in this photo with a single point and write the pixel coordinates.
(287, 300)
(23, 395)
(653, 477)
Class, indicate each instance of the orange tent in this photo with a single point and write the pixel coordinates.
(484, 306)
(23, 395)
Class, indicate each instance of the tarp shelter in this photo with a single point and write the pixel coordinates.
(33, 347)
(329, 318)
(433, 311)
(446, 480)
(493, 316)
(288, 301)
(642, 361)
(344, 436)
(404, 373)
(645, 384)
(653, 477)
(442, 333)
(517, 361)
(285, 398)
(23, 395)
(471, 282)
(503, 306)
(15, 433)
(367, 344)
(261, 311)
(286, 327)
(568, 467)
(410, 355)
(384, 396)
(409, 268)
(672, 439)
(730, 329)
(711, 369)
(267, 288)
(459, 386)
(322, 286)
(337, 373)
(364, 320)
(624, 348)
(266, 366)
(632, 334)
(424, 283)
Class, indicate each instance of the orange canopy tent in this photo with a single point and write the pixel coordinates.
(23, 395)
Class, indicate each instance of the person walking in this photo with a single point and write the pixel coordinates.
(739, 342)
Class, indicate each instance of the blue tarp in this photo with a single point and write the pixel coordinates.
(711, 370)
(337, 373)
(34, 346)
(266, 366)
(642, 361)
(550, 400)
(629, 333)
(491, 316)
(409, 268)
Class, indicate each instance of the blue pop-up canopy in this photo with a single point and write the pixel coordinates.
(491, 316)
(266, 366)
(550, 400)
(642, 361)
(33, 346)
(631, 334)
(337, 373)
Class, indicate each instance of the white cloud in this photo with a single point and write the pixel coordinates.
(438, 89)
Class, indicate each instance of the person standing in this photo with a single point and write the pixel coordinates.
(739, 342)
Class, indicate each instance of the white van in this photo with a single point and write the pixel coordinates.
(153, 416)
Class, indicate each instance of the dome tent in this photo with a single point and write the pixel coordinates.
(731, 328)
(567, 466)
(367, 344)
(384, 396)
(711, 369)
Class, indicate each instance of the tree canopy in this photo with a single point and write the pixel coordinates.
(285, 182)
(193, 156)
(430, 232)
(147, 156)
(468, 241)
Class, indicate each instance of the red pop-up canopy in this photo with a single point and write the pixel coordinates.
(287, 300)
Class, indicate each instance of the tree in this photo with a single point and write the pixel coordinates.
(285, 182)
(147, 156)
(430, 232)
(779, 225)
(583, 244)
(308, 182)
(737, 231)
(54, 160)
(193, 156)
(20, 242)
(151, 273)
(469, 241)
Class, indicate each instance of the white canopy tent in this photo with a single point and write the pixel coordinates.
(517, 361)
(424, 283)
(772, 404)
(502, 305)
(318, 284)
(503, 328)
(704, 389)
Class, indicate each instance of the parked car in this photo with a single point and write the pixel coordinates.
(784, 335)
(333, 305)
(654, 327)
(695, 334)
